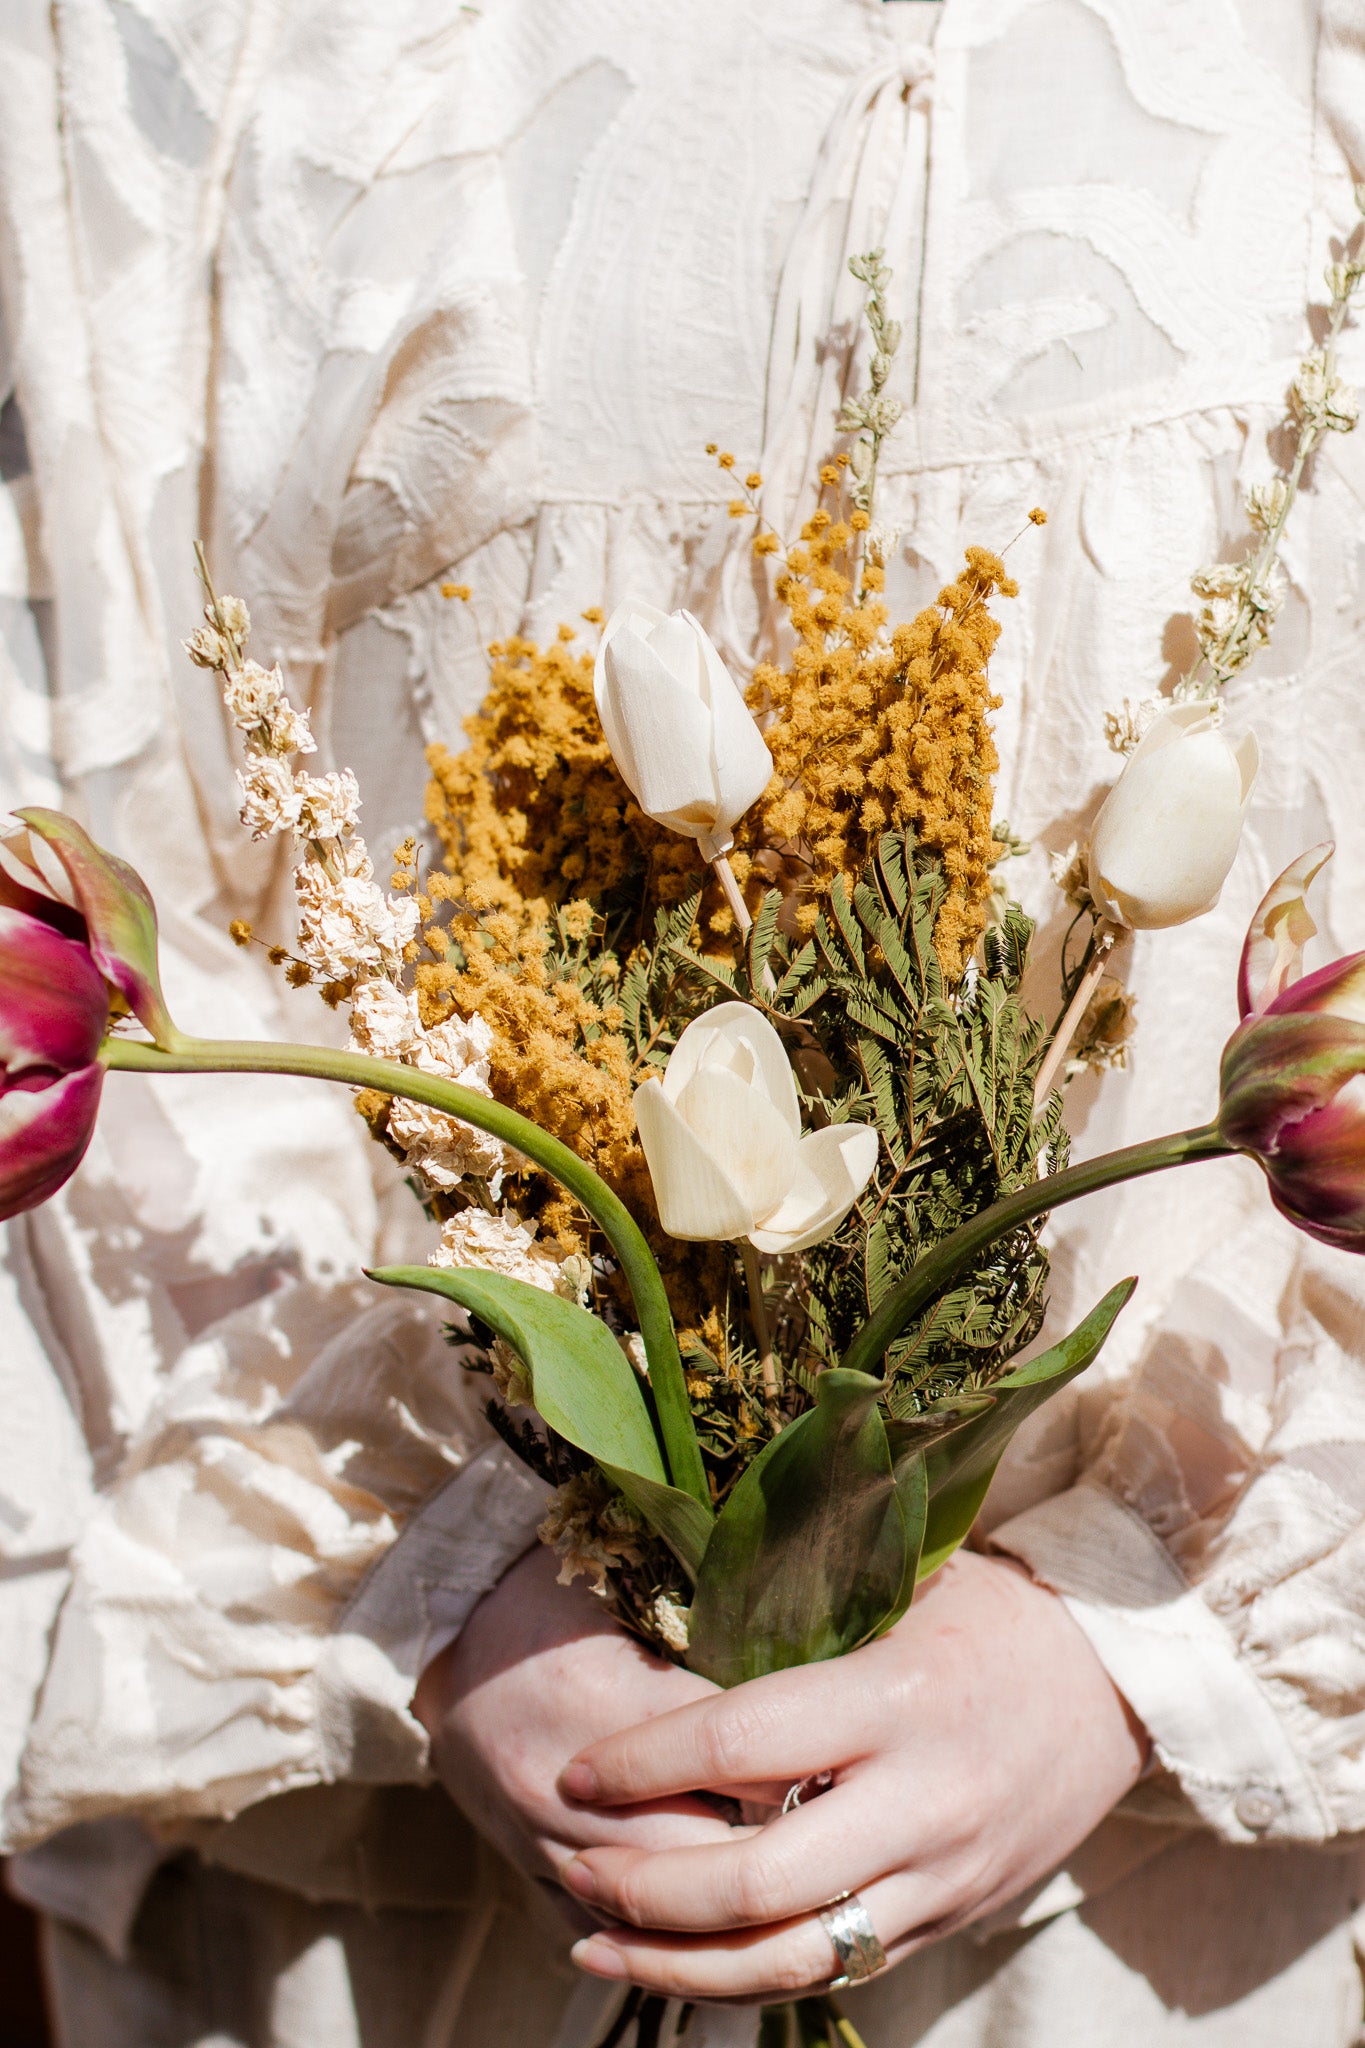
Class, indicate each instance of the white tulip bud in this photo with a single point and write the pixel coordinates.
(678, 728)
(1169, 829)
(722, 1136)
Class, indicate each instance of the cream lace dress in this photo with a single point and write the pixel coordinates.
(370, 294)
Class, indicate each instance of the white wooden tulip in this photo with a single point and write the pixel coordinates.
(678, 728)
(1169, 829)
(722, 1135)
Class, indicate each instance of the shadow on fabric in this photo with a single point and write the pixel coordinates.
(23, 2009)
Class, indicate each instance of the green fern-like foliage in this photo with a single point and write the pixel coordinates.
(947, 1077)
(950, 1086)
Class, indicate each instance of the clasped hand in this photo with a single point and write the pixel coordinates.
(971, 1748)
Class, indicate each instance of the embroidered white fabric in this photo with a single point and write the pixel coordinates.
(373, 295)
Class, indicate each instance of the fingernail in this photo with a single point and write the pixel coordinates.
(578, 1781)
(579, 1879)
(599, 1957)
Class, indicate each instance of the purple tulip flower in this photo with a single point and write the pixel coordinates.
(77, 941)
(1293, 1079)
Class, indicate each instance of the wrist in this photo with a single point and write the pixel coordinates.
(526, 1614)
(1125, 1739)
(1053, 1670)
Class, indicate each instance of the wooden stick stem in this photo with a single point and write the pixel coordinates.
(734, 895)
(1080, 1002)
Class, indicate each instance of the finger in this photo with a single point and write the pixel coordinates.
(660, 1826)
(840, 1842)
(515, 1788)
(779, 1728)
(649, 1825)
(763, 1963)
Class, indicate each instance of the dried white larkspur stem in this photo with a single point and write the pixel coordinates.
(1241, 600)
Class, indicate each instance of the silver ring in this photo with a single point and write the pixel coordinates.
(853, 1939)
(805, 1788)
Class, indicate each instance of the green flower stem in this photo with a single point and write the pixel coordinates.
(357, 1070)
(938, 1268)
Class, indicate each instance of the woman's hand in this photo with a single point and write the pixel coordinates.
(538, 1672)
(973, 1747)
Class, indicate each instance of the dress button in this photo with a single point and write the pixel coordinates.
(1256, 1808)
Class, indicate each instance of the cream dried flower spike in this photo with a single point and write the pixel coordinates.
(354, 939)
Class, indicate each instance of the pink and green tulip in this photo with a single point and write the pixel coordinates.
(1293, 1080)
(54, 1007)
(77, 940)
(115, 904)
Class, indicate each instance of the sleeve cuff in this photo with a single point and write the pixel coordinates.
(163, 1701)
(1212, 1724)
(426, 1586)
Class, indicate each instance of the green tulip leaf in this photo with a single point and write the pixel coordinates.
(809, 1554)
(582, 1385)
(961, 1466)
(912, 1491)
(927, 1430)
(683, 1522)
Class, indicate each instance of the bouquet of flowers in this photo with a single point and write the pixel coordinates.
(706, 1052)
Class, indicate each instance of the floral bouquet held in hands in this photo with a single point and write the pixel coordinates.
(706, 1052)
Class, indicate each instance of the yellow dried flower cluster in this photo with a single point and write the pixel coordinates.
(544, 846)
(533, 809)
(870, 731)
(561, 1058)
(556, 1054)
(538, 828)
